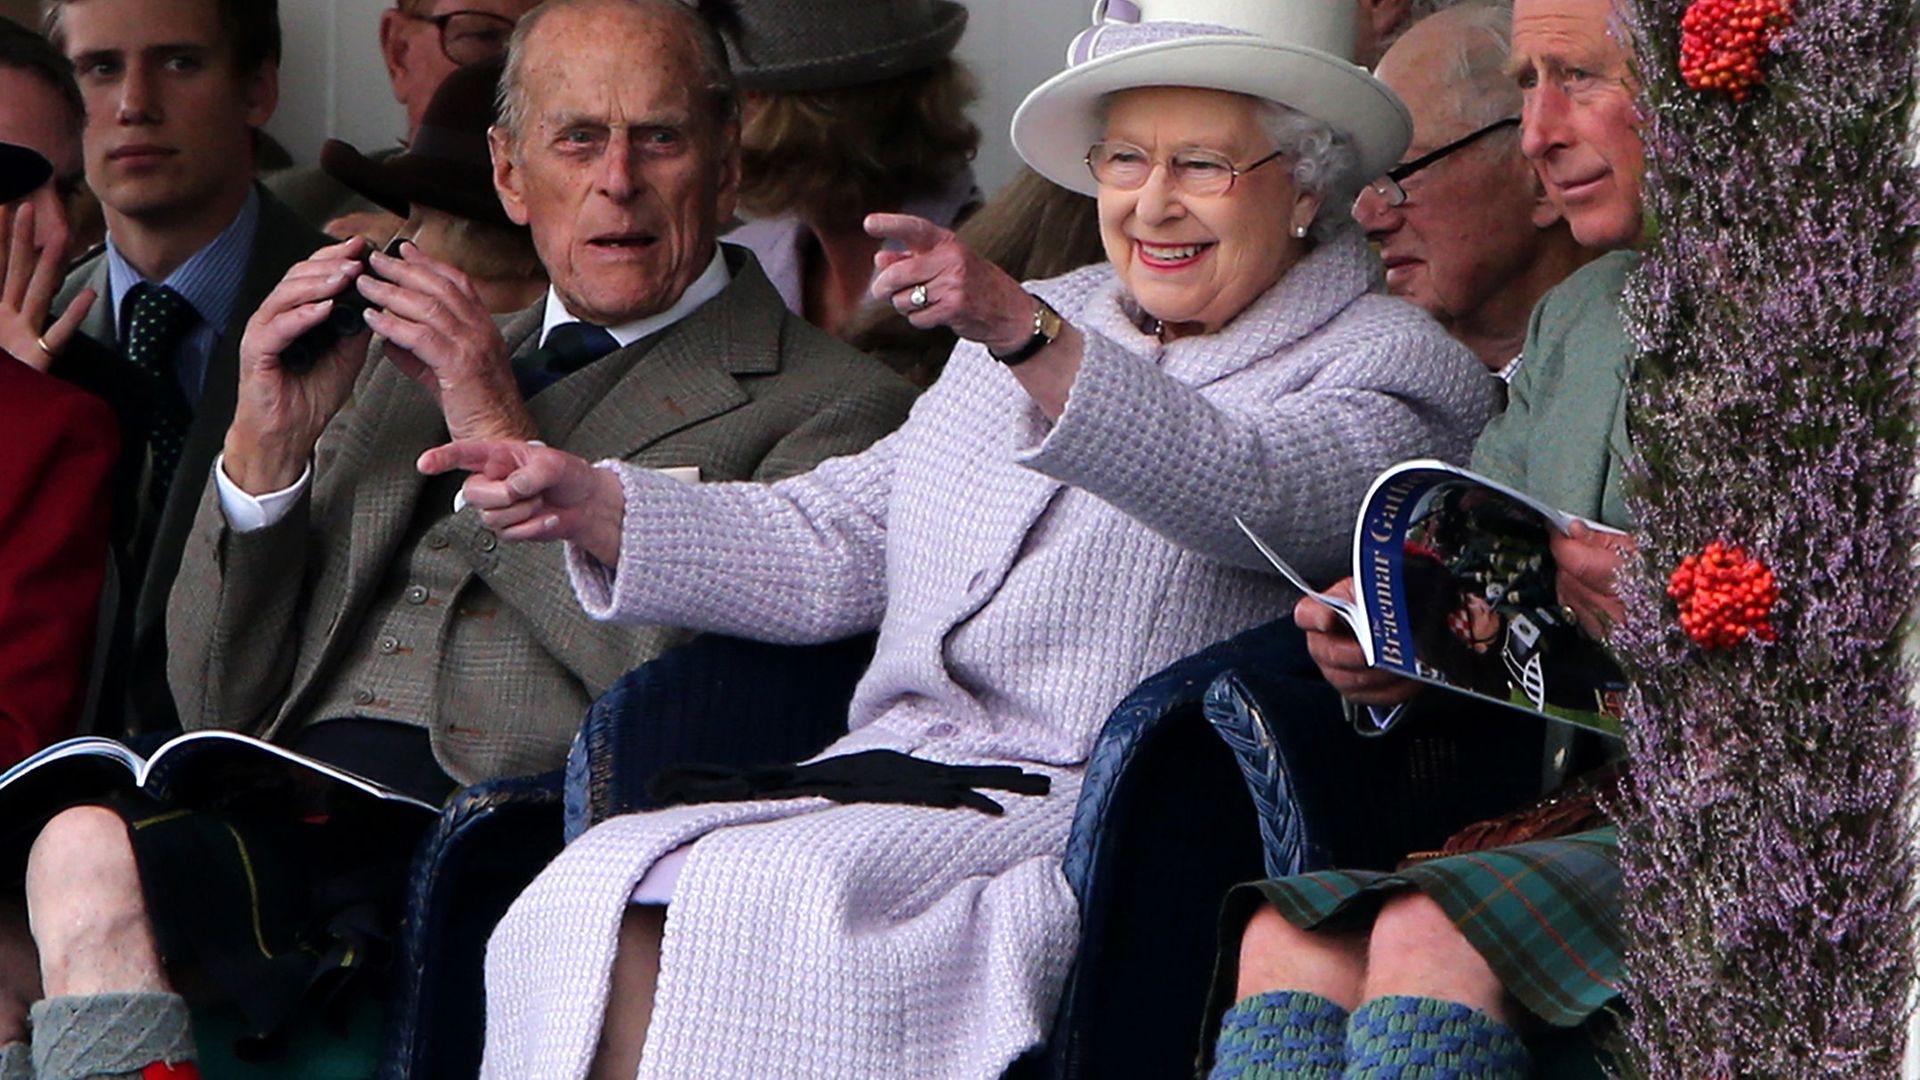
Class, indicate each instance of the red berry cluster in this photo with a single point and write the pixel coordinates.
(1722, 41)
(1724, 596)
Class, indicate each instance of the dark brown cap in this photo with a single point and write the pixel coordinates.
(446, 166)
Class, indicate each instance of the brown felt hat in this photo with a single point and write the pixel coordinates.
(22, 171)
(446, 166)
(801, 45)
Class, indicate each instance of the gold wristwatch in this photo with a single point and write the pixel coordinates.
(1047, 325)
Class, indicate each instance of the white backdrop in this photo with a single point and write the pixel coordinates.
(332, 84)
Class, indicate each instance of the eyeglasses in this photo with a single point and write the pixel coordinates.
(1388, 186)
(1203, 173)
(470, 37)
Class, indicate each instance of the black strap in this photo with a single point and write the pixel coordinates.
(871, 776)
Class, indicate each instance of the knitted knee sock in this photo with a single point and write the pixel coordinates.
(1417, 1038)
(16, 1061)
(1280, 1033)
(113, 1037)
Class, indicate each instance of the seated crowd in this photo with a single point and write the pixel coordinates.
(607, 396)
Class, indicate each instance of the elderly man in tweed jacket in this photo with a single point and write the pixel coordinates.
(359, 592)
(332, 600)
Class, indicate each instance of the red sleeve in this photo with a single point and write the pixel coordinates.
(59, 449)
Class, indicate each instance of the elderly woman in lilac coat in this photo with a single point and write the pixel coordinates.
(1054, 522)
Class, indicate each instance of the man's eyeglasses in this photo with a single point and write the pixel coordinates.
(1388, 186)
(1203, 173)
(470, 37)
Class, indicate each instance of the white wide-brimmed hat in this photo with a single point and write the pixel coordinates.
(1290, 51)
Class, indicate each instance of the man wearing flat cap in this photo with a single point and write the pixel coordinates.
(334, 600)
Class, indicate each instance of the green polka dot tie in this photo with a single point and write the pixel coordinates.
(157, 319)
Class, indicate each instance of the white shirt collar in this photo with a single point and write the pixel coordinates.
(711, 283)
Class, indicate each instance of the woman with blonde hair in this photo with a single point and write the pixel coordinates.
(852, 106)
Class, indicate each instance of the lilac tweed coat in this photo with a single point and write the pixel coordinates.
(1023, 577)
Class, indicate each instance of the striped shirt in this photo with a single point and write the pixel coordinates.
(209, 280)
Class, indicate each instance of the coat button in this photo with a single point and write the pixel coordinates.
(941, 730)
(389, 644)
(363, 696)
(488, 541)
(416, 594)
(437, 539)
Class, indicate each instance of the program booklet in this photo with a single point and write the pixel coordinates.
(1453, 582)
(200, 770)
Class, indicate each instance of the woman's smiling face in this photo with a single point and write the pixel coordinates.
(1196, 262)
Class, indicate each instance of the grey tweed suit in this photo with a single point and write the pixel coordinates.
(147, 544)
(371, 597)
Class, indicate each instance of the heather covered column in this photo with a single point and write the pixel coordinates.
(1769, 868)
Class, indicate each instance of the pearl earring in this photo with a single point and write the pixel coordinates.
(1300, 231)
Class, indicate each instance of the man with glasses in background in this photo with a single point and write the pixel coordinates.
(422, 42)
(1463, 227)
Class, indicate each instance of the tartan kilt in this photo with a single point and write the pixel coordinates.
(1544, 914)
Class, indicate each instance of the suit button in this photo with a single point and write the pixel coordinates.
(363, 696)
(389, 644)
(416, 594)
(488, 541)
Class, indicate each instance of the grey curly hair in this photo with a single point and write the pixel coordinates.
(1324, 164)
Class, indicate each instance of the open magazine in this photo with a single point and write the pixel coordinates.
(1453, 582)
(197, 770)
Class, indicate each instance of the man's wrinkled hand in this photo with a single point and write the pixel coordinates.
(1335, 651)
(440, 334)
(1588, 561)
(279, 415)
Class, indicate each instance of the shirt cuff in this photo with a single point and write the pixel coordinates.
(248, 513)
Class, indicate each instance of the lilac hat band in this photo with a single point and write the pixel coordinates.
(1118, 34)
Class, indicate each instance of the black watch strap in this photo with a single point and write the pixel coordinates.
(1046, 327)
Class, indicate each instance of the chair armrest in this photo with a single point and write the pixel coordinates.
(1328, 796)
(1171, 696)
(490, 841)
(1163, 826)
(714, 700)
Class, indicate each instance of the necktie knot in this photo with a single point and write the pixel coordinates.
(574, 345)
(570, 346)
(157, 318)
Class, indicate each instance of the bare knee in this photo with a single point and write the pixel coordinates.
(85, 908)
(1411, 919)
(1277, 955)
(1416, 949)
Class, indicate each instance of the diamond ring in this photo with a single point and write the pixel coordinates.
(918, 297)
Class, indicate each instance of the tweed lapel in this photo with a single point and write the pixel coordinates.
(687, 372)
(394, 422)
(98, 324)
